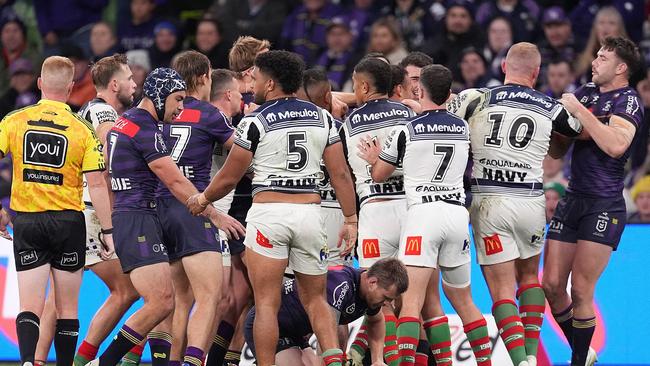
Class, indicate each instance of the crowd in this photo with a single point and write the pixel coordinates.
(471, 37)
(488, 112)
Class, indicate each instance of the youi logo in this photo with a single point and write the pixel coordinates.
(9, 305)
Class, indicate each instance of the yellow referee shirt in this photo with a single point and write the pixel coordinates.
(51, 147)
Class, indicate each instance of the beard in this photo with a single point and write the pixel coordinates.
(125, 99)
(259, 98)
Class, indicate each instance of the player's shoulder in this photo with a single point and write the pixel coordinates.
(18, 113)
(133, 122)
(378, 111)
(97, 111)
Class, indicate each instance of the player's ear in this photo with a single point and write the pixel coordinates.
(39, 83)
(503, 65)
(621, 68)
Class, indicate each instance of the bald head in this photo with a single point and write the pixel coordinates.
(522, 62)
(56, 77)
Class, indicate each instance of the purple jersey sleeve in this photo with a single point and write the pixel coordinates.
(630, 108)
(219, 127)
(151, 144)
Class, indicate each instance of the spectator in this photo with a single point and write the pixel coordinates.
(608, 23)
(640, 156)
(558, 42)
(415, 21)
(166, 44)
(385, 38)
(553, 191)
(83, 89)
(22, 91)
(583, 15)
(523, 15)
(641, 198)
(499, 40)
(362, 15)
(339, 58)
(13, 36)
(209, 41)
(136, 32)
(103, 41)
(140, 67)
(460, 33)
(257, 18)
(60, 19)
(473, 71)
(559, 79)
(304, 29)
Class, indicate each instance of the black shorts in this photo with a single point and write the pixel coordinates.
(239, 210)
(138, 239)
(600, 220)
(54, 237)
(284, 342)
(183, 233)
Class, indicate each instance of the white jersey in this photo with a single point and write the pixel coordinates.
(96, 111)
(511, 129)
(219, 156)
(287, 137)
(433, 149)
(376, 119)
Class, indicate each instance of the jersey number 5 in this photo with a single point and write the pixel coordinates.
(297, 153)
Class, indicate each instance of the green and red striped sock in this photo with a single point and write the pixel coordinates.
(439, 336)
(511, 329)
(408, 332)
(532, 305)
(391, 352)
(333, 357)
(477, 334)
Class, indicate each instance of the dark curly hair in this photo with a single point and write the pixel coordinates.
(398, 74)
(625, 50)
(379, 72)
(417, 59)
(436, 80)
(285, 68)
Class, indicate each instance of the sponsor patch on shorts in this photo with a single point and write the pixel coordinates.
(492, 244)
(370, 248)
(413, 245)
(262, 240)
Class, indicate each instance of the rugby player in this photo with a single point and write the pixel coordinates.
(433, 149)
(383, 205)
(137, 158)
(400, 85)
(511, 128)
(192, 242)
(351, 293)
(284, 225)
(51, 147)
(589, 220)
(241, 60)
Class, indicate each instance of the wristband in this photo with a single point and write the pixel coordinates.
(106, 231)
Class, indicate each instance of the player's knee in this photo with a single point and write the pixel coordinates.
(553, 288)
(581, 292)
(128, 297)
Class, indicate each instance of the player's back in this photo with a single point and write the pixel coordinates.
(510, 128)
(287, 137)
(435, 153)
(134, 142)
(51, 148)
(192, 137)
(375, 118)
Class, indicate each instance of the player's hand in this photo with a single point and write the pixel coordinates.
(339, 109)
(571, 103)
(225, 222)
(250, 108)
(354, 358)
(5, 220)
(369, 149)
(197, 204)
(108, 247)
(348, 235)
(413, 104)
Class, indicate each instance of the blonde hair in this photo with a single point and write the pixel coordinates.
(583, 64)
(56, 74)
(243, 52)
(523, 59)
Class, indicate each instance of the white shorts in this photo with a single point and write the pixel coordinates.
(333, 219)
(225, 248)
(380, 227)
(435, 234)
(507, 228)
(289, 230)
(93, 246)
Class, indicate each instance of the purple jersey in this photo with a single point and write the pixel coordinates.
(134, 142)
(594, 173)
(192, 137)
(343, 294)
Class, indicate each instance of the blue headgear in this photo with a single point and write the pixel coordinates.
(159, 84)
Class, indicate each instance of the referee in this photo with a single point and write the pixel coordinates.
(51, 147)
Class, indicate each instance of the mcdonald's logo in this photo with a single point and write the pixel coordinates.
(262, 240)
(492, 244)
(370, 248)
(413, 245)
